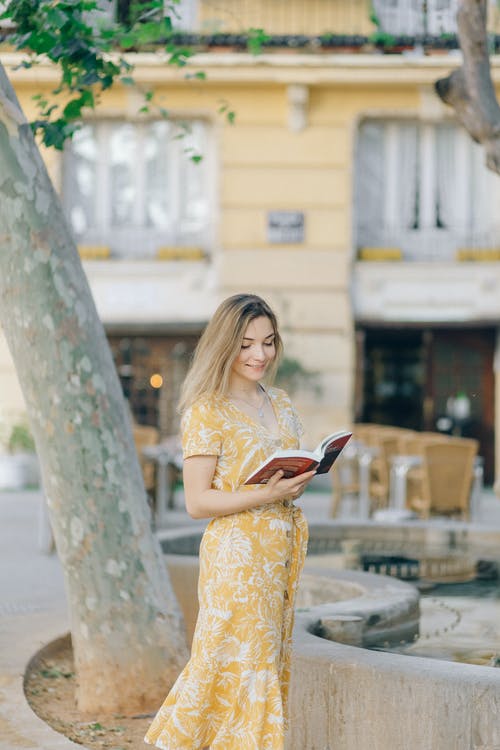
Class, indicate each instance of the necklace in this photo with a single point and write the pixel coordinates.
(258, 409)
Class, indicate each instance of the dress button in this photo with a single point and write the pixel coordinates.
(287, 564)
(289, 533)
(286, 595)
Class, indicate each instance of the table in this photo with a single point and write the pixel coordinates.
(168, 458)
(400, 466)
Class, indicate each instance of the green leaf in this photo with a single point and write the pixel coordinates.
(73, 109)
(24, 64)
(54, 133)
(256, 40)
(60, 30)
(42, 42)
(128, 40)
(48, 110)
(178, 55)
(56, 17)
(200, 75)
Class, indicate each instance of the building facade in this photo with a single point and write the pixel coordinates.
(344, 192)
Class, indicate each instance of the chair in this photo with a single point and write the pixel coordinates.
(345, 477)
(144, 436)
(446, 477)
(388, 447)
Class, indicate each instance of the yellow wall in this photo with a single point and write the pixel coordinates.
(286, 16)
(298, 17)
(261, 165)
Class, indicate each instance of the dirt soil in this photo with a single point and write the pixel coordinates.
(50, 690)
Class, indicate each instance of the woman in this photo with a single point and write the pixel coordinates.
(233, 692)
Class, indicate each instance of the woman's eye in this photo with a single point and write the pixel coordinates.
(269, 343)
(247, 346)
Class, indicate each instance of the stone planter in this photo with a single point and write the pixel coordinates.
(18, 470)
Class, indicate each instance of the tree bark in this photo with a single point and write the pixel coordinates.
(469, 89)
(127, 630)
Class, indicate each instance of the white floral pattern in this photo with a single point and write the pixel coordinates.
(233, 692)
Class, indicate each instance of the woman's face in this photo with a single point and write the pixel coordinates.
(257, 350)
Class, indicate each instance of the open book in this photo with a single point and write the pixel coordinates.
(294, 462)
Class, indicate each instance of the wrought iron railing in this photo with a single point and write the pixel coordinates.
(387, 24)
(312, 25)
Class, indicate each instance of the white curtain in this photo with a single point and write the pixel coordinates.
(448, 155)
(415, 17)
(386, 179)
(369, 179)
(406, 175)
(441, 17)
(194, 207)
(483, 193)
(158, 169)
(79, 180)
(405, 17)
(184, 15)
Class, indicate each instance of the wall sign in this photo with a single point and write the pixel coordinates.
(285, 227)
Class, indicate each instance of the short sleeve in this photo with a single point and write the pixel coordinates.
(201, 430)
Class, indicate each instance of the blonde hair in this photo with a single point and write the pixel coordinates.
(220, 344)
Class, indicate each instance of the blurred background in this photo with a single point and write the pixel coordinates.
(332, 181)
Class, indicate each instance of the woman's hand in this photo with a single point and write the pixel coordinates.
(202, 501)
(279, 488)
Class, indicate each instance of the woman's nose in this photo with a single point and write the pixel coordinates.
(260, 353)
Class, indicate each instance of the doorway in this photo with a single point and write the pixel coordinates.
(152, 369)
(409, 376)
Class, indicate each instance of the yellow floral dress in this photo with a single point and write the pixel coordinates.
(232, 694)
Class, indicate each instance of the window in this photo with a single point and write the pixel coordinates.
(423, 187)
(134, 187)
(183, 14)
(5, 23)
(416, 17)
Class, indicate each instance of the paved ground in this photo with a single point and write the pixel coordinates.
(33, 604)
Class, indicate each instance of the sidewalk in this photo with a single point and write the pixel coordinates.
(33, 602)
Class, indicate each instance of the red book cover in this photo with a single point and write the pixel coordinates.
(295, 462)
(290, 465)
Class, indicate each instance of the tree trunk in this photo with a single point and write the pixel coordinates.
(469, 89)
(127, 630)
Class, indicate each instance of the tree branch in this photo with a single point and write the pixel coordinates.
(470, 90)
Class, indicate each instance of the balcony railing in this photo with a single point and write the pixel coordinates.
(313, 24)
(327, 23)
(432, 245)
